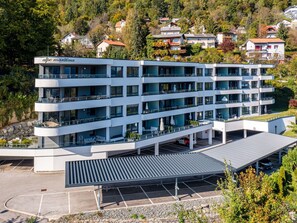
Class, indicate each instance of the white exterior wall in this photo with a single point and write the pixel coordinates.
(251, 48)
(101, 48)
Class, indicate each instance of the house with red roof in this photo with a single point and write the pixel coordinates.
(102, 46)
(265, 48)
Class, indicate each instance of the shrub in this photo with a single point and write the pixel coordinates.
(3, 142)
(134, 216)
(293, 103)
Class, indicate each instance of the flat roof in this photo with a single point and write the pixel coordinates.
(242, 153)
(139, 168)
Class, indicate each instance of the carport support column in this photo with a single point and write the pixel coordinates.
(191, 144)
(99, 197)
(224, 137)
(279, 157)
(157, 149)
(176, 189)
(244, 133)
(257, 167)
(209, 137)
(138, 151)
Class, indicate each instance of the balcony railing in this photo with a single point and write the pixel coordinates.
(168, 92)
(56, 124)
(168, 75)
(228, 102)
(266, 99)
(227, 75)
(266, 86)
(167, 109)
(71, 76)
(228, 88)
(72, 99)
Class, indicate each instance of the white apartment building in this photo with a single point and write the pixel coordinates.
(87, 108)
(206, 40)
(266, 48)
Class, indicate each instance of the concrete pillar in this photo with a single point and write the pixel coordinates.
(244, 133)
(99, 197)
(209, 137)
(157, 149)
(257, 167)
(176, 188)
(224, 137)
(107, 135)
(138, 151)
(191, 144)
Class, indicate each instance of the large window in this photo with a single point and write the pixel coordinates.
(254, 84)
(208, 100)
(199, 86)
(116, 92)
(199, 72)
(132, 90)
(116, 71)
(208, 71)
(255, 109)
(132, 109)
(132, 71)
(208, 86)
(116, 111)
(245, 110)
(200, 101)
(209, 114)
(254, 72)
(245, 72)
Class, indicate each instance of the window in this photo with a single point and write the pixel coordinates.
(132, 71)
(245, 110)
(116, 111)
(245, 72)
(132, 110)
(209, 114)
(208, 86)
(254, 97)
(200, 101)
(208, 100)
(116, 92)
(254, 72)
(245, 97)
(269, 47)
(275, 46)
(208, 72)
(199, 86)
(199, 115)
(245, 85)
(255, 109)
(91, 111)
(132, 90)
(116, 71)
(254, 84)
(199, 72)
(132, 127)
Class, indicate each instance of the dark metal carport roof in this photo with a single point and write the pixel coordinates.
(245, 152)
(139, 168)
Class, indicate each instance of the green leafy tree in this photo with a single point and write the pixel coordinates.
(27, 28)
(115, 52)
(135, 33)
(81, 26)
(282, 32)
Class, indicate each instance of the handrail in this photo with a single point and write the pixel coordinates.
(167, 109)
(228, 102)
(71, 99)
(71, 76)
(168, 92)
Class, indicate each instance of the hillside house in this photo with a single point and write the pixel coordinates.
(71, 38)
(221, 37)
(102, 47)
(119, 26)
(206, 40)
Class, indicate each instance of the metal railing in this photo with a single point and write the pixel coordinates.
(228, 102)
(168, 92)
(56, 124)
(266, 86)
(228, 88)
(71, 76)
(149, 111)
(266, 98)
(168, 75)
(227, 75)
(71, 99)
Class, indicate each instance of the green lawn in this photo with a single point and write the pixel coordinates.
(290, 133)
(268, 117)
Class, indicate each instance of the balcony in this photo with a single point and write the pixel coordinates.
(56, 124)
(168, 75)
(228, 102)
(72, 99)
(71, 76)
(266, 88)
(168, 92)
(149, 111)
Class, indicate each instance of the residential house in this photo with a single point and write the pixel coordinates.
(101, 47)
(291, 12)
(271, 32)
(119, 26)
(206, 40)
(70, 38)
(221, 37)
(265, 48)
(164, 20)
(241, 30)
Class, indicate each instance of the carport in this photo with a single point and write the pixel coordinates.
(140, 169)
(250, 150)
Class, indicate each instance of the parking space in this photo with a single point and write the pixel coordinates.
(52, 205)
(21, 165)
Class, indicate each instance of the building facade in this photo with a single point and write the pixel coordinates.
(102, 46)
(86, 101)
(206, 40)
(266, 48)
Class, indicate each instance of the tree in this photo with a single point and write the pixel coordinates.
(196, 48)
(251, 198)
(135, 33)
(27, 28)
(97, 34)
(81, 26)
(115, 52)
(282, 32)
(227, 45)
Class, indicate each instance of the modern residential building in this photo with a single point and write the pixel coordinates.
(291, 12)
(265, 48)
(102, 106)
(206, 40)
(102, 46)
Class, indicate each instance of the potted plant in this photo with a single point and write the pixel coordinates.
(193, 123)
(132, 136)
